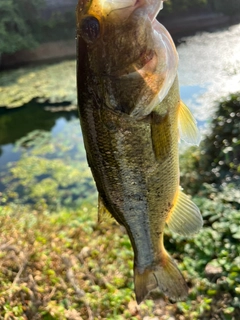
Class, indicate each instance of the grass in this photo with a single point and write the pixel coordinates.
(64, 265)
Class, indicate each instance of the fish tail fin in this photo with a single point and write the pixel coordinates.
(166, 276)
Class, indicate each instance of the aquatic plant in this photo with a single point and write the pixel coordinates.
(46, 83)
(52, 171)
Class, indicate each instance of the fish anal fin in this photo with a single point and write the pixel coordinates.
(103, 213)
(188, 126)
(185, 217)
(165, 276)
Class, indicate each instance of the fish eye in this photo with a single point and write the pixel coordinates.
(90, 28)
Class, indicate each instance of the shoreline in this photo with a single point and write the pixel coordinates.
(183, 26)
(178, 27)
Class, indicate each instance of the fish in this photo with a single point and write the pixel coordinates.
(132, 119)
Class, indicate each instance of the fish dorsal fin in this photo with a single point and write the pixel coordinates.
(103, 213)
(185, 217)
(188, 126)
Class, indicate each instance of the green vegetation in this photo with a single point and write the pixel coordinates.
(46, 83)
(179, 6)
(230, 7)
(58, 262)
(222, 146)
(52, 171)
(23, 25)
(216, 162)
(176, 7)
(17, 31)
(60, 26)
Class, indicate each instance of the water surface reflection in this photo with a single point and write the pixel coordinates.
(209, 69)
(17, 123)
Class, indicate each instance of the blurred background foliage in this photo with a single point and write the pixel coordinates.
(28, 23)
(17, 29)
(179, 6)
(230, 7)
(216, 162)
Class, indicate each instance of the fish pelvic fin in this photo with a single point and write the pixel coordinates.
(166, 277)
(188, 126)
(103, 213)
(185, 217)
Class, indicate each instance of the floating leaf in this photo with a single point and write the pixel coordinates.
(47, 83)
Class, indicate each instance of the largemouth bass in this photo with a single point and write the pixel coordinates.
(131, 117)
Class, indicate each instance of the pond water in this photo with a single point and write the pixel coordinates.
(18, 122)
(209, 69)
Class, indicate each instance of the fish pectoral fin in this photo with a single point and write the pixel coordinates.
(185, 217)
(160, 136)
(165, 276)
(188, 129)
(103, 213)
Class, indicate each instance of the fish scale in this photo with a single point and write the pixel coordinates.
(131, 115)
